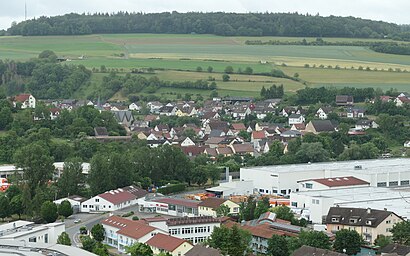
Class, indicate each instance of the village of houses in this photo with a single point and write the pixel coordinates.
(369, 196)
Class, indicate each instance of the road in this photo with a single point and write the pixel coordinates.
(73, 230)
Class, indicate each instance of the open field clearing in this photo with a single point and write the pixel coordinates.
(176, 54)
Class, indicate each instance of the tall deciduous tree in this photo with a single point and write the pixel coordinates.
(278, 246)
(139, 249)
(401, 233)
(49, 211)
(64, 239)
(315, 239)
(347, 241)
(97, 231)
(65, 209)
(36, 163)
(4, 207)
(70, 182)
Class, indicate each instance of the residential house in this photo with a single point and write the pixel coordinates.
(344, 100)
(364, 124)
(298, 127)
(313, 251)
(54, 113)
(201, 250)
(323, 112)
(296, 119)
(216, 125)
(209, 206)
(121, 232)
(26, 101)
(242, 149)
(187, 142)
(168, 110)
(318, 126)
(355, 112)
(401, 101)
(369, 223)
(407, 144)
(257, 136)
(395, 250)
(134, 107)
(154, 106)
(193, 151)
(169, 244)
(331, 183)
(74, 200)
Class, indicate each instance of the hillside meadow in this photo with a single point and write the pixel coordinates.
(176, 58)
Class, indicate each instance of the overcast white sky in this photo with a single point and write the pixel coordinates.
(387, 10)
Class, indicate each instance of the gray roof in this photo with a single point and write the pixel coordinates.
(361, 216)
(323, 125)
(396, 248)
(312, 251)
(200, 250)
(123, 115)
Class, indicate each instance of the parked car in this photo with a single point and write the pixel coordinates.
(77, 220)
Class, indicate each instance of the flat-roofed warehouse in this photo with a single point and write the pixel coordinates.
(284, 179)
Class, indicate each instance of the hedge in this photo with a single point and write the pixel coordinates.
(173, 188)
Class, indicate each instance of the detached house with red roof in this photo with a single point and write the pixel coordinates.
(26, 101)
(172, 245)
(113, 200)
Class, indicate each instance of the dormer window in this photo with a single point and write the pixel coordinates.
(352, 220)
(335, 219)
(368, 222)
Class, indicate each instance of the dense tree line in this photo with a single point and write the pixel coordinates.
(310, 95)
(382, 47)
(135, 84)
(218, 23)
(273, 92)
(43, 77)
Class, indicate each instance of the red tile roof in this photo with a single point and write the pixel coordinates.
(258, 135)
(243, 148)
(262, 230)
(130, 228)
(165, 242)
(183, 202)
(238, 126)
(118, 222)
(341, 181)
(22, 97)
(117, 196)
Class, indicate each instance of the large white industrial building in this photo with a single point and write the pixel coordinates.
(318, 202)
(283, 179)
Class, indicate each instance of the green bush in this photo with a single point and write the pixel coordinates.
(128, 214)
(135, 218)
(173, 188)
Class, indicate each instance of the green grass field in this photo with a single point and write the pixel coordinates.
(176, 54)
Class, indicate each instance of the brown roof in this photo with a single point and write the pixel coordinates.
(193, 150)
(150, 118)
(211, 151)
(200, 250)
(22, 97)
(238, 126)
(312, 251)
(212, 202)
(262, 230)
(165, 242)
(243, 148)
(192, 220)
(137, 230)
(117, 196)
(341, 181)
(215, 140)
(224, 151)
(395, 249)
(175, 201)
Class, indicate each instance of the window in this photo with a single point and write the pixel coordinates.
(388, 221)
(283, 191)
(393, 183)
(315, 201)
(368, 222)
(261, 190)
(382, 184)
(97, 200)
(405, 183)
(84, 206)
(335, 219)
(309, 185)
(172, 207)
(32, 239)
(388, 229)
(352, 220)
(294, 204)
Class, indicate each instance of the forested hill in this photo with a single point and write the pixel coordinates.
(225, 24)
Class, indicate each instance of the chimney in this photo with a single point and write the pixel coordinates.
(369, 210)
